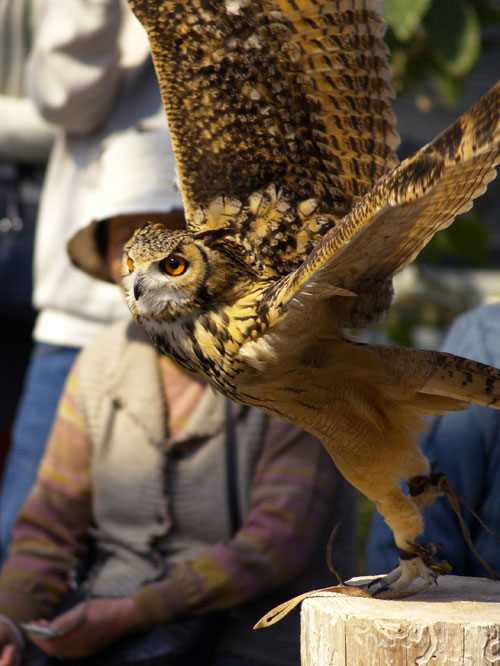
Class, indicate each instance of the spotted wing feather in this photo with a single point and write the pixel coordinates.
(342, 54)
(399, 216)
(291, 93)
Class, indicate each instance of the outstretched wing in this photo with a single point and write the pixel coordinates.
(286, 92)
(399, 216)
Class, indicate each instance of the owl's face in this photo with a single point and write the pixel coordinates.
(168, 273)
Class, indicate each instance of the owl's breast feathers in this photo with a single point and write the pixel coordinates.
(210, 340)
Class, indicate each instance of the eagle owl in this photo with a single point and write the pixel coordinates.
(298, 216)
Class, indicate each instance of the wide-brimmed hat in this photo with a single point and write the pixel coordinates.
(135, 175)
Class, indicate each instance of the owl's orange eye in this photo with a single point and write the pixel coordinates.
(130, 265)
(174, 264)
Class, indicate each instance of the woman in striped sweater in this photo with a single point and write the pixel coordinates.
(136, 472)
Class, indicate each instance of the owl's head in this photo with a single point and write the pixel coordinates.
(168, 273)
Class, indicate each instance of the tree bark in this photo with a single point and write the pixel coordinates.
(455, 623)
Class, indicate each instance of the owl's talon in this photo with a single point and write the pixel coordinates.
(441, 568)
(414, 563)
(377, 586)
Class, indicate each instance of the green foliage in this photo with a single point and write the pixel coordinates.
(436, 40)
(455, 48)
(404, 16)
(398, 330)
(467, 240)
(366, 509)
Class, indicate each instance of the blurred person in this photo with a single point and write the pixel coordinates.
(90, 74)
(466, 447)
(192, 506)
(25, 140)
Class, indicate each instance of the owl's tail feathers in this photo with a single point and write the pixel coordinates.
(462, 379)
(441, 381)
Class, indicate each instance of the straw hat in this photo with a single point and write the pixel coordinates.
(135, 174)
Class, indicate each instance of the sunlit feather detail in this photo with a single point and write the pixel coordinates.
(298, 216)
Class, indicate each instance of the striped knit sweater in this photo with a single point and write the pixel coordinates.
(136, 460)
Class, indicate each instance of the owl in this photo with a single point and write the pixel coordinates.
(298, 215)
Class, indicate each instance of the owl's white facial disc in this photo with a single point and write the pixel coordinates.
(165, 284)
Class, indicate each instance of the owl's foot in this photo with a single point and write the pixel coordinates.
(414, 563)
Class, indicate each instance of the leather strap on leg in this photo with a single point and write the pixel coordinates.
(455, 501)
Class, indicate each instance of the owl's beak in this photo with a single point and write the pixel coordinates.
(138, 289)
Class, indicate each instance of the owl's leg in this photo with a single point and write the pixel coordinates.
(377, 473)
(415, 561)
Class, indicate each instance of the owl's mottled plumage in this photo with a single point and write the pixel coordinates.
(298, 216)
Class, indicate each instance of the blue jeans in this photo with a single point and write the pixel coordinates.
(47, 371)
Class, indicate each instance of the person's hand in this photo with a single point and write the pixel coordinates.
(10, 651)
(104, 622)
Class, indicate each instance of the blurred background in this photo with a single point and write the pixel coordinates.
(445, 55)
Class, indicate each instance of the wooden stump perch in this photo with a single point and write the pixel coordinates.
(456, 623)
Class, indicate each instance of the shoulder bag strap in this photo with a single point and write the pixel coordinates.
(232, 470)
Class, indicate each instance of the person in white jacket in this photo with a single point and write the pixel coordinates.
(25, 141)
(91, 74)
